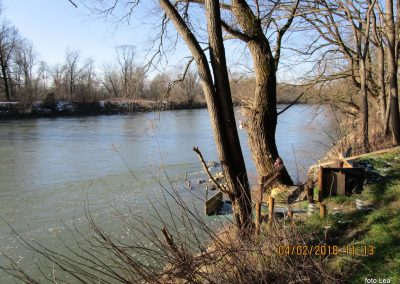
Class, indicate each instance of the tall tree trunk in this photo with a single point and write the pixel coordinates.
(71, 86)
(382, 88)
(4, 74)
(263, 117)
(219, 104)
(387, 129)
(234, 166)
(364, 105)
(392, 65)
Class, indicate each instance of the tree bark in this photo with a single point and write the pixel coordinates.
(5, 77)
(382, 87)
(392, 65)
(262, 120)
(219, 104)
(234, 166)
(364, 105)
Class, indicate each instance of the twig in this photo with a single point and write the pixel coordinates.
(218, 185)
(70, 1)
(170, 242)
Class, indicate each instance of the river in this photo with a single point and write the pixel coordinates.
(49, 167)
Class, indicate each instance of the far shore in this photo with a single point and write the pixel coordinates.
(17, 110)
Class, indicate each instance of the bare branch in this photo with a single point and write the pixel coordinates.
(203, 162)
(202, 2)
(235, 33)
(70, 1)
(281, 33)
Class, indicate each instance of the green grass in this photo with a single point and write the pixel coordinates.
(380, 227)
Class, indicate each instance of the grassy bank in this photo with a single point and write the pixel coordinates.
(374, 233)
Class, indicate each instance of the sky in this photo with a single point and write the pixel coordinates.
(53, 26)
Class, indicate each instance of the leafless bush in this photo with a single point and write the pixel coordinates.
(182, 247)
(348, 140)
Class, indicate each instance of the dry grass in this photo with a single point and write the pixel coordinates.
(350, 138)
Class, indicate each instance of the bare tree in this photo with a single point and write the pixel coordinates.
(57, 76)
(110, 80)
(27, 78)
(8, 43)
(159, 87)
(377, 39)
(127, 78)
(262, 115)
(364, 34)
(190, 87)
(361, 34)
(131, 75)
(345, 31)
(87, 82)
(392, 58)
(72, 72)
(43, 77)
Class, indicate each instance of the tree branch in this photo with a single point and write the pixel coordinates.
(70, 1)
(218, 185)
(202, 2)
(235, 33)
(281, 32)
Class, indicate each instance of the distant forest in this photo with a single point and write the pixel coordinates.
(25, 77)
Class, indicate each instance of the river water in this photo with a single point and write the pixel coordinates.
(50, 167)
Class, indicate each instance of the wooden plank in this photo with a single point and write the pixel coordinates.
(330, 183)
(214, 203)
(348, 160)
(322, 210)
(320, 184)
(356, 172)
(388, 150)
(340, 183)
(346, 164)
(325, 165)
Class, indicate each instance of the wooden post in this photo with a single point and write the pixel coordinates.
(271, 204)
(321, 184)
(322, 210)
(310, 192)
(258, 208)
(290, 214)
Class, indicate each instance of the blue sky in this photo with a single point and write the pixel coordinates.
(55, 25)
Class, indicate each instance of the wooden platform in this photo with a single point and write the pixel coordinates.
(340, 177)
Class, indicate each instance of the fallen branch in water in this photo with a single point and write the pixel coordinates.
(203, 162)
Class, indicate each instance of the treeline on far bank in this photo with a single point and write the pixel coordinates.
(29, 81)
(29, 85)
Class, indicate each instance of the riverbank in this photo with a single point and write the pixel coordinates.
(356, 242)
(367, 236)
(16, 110)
